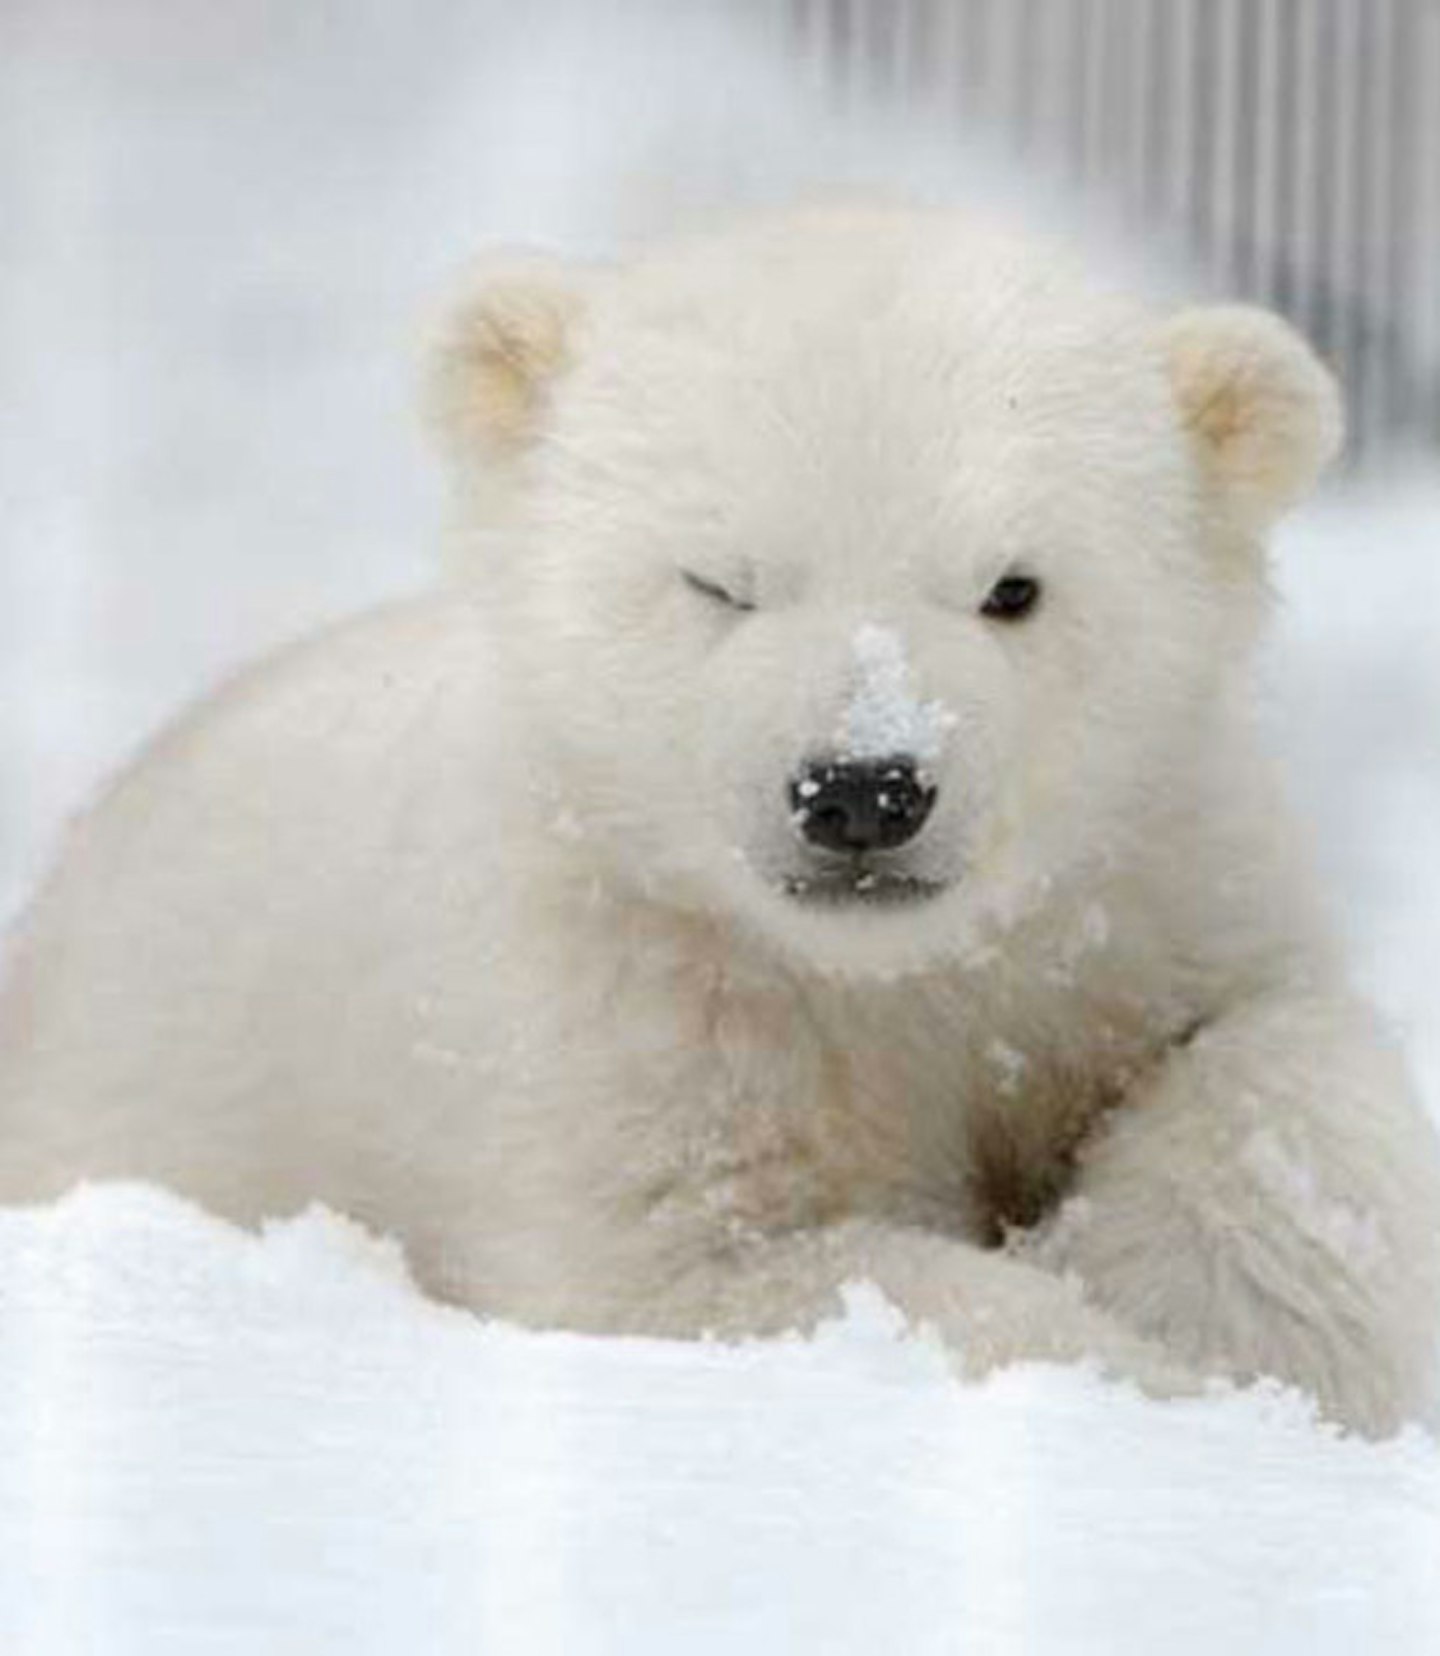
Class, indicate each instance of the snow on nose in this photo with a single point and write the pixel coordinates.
(884, 716)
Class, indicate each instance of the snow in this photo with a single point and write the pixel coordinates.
(1355, 688)
(212, 1441)
(1009, 1064)
(215, 1442)
(884, 718)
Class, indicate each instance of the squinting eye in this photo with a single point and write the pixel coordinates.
(1012, 598)
(716, 593)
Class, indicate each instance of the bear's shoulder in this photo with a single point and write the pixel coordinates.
(345, 746)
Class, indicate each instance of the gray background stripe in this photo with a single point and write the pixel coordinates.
(1290, 147)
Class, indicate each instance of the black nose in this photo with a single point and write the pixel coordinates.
(860, 805)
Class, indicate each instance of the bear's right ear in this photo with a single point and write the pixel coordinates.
(500, 352)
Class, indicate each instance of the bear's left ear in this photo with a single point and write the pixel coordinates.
(1263, 410)
(501, 351)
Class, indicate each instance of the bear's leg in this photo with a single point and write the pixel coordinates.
(1268, 1203)
(989, 1310)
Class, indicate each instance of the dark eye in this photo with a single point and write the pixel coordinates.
(1012, 598)
(716, 593)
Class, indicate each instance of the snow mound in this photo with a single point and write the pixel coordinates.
(212, 1441)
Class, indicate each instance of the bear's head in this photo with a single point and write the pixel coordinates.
(868, 572)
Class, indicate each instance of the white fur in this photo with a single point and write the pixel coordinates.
(472, 919)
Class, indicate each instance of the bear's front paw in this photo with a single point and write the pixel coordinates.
(994, 1309)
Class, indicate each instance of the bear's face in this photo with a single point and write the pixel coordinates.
(867, 580)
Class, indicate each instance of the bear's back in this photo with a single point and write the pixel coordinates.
(250, 916)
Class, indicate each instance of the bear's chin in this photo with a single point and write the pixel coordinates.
(895, 927)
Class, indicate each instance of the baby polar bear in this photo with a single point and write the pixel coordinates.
(821, 838)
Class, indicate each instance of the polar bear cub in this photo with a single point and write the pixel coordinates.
(820, 836)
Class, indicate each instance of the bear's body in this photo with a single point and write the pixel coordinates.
(514, 922)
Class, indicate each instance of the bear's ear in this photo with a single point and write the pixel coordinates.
(1263, 410)
(500, 352)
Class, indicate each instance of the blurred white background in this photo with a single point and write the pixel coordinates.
(223, 229)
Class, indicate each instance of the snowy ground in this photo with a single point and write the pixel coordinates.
(215, 1443)
(211, 1443)
(1356, 677)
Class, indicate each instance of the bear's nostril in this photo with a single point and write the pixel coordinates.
(856, 806)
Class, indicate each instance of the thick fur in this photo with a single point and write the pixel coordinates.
(485, 919)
